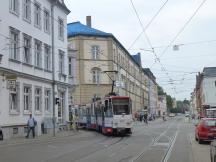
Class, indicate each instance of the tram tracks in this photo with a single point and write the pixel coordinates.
(155, 143)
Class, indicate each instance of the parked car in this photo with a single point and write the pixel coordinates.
(171, 115)
(213, 151)
(205, 130)
(1, 134)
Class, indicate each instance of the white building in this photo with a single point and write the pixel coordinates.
(29, 37)
(152, 92)
(162, 106)
(207, 86)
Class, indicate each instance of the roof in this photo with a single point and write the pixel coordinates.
(209, 71)
(79, 29)
(76, 28)
(61, 4)
(137, 58)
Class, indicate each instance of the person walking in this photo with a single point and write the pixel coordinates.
(145, 117)
(31, 126)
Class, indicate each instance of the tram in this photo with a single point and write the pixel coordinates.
(210, 113)
(115, 113)
(111, 115)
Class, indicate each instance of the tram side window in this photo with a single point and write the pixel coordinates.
(108, 109)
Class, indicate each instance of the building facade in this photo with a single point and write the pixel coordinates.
(102, 59)
(162, 105)
(152, 92)
(205, 89)
(33, 69)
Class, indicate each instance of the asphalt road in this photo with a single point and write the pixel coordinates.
(158, 141)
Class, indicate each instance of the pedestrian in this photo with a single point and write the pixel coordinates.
(31, 126)
(75, 122)
(145, 117)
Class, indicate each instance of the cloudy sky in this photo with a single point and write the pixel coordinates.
(196, 39)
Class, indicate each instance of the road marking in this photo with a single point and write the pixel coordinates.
(154, 140)
(167, 156)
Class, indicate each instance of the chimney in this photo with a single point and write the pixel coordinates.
(88, 21)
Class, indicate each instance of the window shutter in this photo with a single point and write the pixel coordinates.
(40, 57)
(30, 99)
(18, 96)
(41, 100)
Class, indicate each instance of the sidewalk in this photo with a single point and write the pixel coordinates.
(38, 139)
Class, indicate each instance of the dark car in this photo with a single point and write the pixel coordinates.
(1, 134)
(213, 151)
(205, 130)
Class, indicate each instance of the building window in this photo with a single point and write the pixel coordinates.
(27, 49)
(14, 44)
(95, 52)
(47, 57)
(61, 106)
(27, 10)
(38, 54)
(15, 130)
(47, 99)
(46, 21)
(70, 66)
(38, 94)
(37, 15)
(14, 98)
(14, 6)
(61, 29)
(61, 62)
(96, 75)
(27, 98)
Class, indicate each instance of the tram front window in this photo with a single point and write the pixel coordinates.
(121, 107)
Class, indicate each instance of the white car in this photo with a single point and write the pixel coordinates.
(171, 115)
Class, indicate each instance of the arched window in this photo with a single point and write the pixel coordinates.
(96, 75)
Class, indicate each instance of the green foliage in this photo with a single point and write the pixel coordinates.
(160, 90)
(169, 102)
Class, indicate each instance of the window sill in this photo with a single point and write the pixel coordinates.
(27, 20)
(27, 112)
(38, 112)
(27, 64)
(13, 60)
(49, 71)
(47, 32)
(37, 26)
(61, 39)
(14, 112)
(14, 13)
(38, 68)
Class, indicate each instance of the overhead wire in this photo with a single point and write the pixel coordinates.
(157, 59)
(146, 27)
(181, 30)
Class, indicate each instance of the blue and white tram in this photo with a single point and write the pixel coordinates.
(114, 115)
(82, 116)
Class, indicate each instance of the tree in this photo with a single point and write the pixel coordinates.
(160, 90)
(169, 102)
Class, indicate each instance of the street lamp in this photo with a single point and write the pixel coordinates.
(1, 56)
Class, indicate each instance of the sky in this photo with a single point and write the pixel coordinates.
(180, 22)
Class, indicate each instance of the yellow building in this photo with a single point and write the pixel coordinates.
(101, 58)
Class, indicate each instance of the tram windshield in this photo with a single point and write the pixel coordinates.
(121, 106)
(211, 113)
